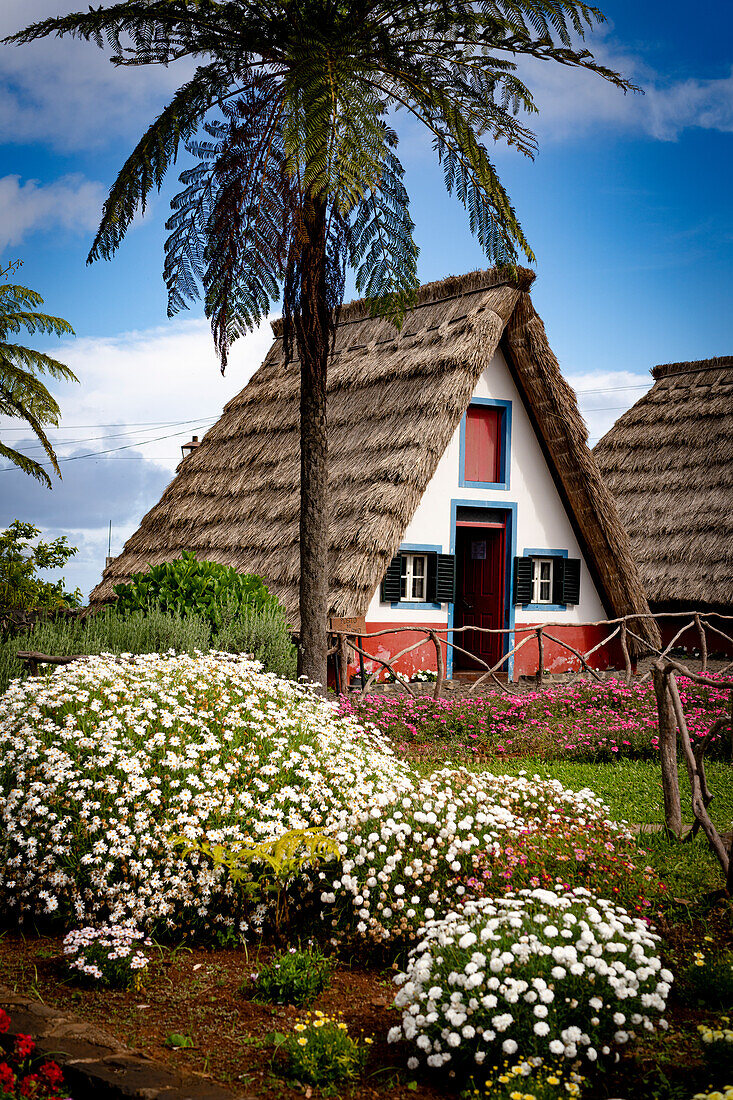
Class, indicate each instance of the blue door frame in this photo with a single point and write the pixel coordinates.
(509, 509)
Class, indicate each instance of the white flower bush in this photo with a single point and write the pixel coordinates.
(406, 857)
(110, 955)
(107, 761)
(534, 974)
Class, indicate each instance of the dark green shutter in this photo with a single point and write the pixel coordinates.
(522, 580)
(445, 581)
(558, 580)
(390, 590)
(571, 581)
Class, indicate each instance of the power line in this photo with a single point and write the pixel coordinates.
(110, 450)
(612, 389)
(124, 424)
(101, 438)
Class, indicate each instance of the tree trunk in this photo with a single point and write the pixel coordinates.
(311, 323)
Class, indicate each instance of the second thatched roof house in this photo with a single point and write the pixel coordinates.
(668, 462)
(462, 491)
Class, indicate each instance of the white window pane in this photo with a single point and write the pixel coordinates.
(545, 570)
(418, 566)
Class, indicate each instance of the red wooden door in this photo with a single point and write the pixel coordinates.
(479, 592)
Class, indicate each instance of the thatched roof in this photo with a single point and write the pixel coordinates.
(394, 401)
(669, 463)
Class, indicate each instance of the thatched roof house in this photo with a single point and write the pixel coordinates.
(395, 401)
(668, 462)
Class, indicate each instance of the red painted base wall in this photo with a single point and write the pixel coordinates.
(555, 659)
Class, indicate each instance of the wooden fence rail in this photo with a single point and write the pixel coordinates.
(673, 730)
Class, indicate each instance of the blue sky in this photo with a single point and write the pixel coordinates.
(627, 207)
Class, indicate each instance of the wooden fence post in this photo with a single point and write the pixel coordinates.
(668, 751)
(540, 655)
(703, 643)
(625, 651)
(439, 664)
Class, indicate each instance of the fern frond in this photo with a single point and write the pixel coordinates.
(147, 165)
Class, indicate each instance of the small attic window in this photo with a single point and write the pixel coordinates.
(485, 444)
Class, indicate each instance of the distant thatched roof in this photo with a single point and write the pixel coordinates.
(669, 463)
(394, 401)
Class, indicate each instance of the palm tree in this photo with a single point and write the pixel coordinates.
(22, 393)
(300, 178)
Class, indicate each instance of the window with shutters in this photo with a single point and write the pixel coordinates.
(419, 575)
(546, 580)
(485, 444)
(413, 581)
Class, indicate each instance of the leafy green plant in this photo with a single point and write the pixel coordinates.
(293, 977)
(264, 871)
(188, 586)
(708, 980)
(20, 586)
(717, 1044)
(179, 1042)
(321, 1052)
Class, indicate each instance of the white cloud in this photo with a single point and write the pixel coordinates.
(573, 102)
(135, 388)
(66, 93)
(604, 396)
(71, 202)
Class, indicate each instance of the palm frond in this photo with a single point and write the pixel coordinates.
(27, 465)
(147, 165)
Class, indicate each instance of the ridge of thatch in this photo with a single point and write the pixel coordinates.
(563, 436)
(395, 398)
(668, 461)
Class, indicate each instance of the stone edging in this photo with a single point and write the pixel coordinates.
(96, 1065)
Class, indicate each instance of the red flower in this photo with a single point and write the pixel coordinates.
(7, 1077)
(51, 1073)
(24, 1046)
(29, 1085)
(4, 1021)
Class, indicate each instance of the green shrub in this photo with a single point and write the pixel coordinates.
(106, 632)
(321, 1052)
(261, 632)
(709, 979)
(293, 978)
(188, 586)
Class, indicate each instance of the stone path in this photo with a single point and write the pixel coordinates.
(96, 1065)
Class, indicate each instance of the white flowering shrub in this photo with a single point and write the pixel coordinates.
(110, 955)
(456, 834)
(536, 974)
(106, 762)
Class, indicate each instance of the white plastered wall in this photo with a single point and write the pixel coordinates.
(542, 522)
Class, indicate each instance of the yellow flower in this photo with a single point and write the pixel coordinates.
(504, 1079)
(515, 1095)
(300, 1027)
(302, 1041)
(367, 1040)
(553, 1080)
(342, 1027)
(319, 1023)
(699, 962)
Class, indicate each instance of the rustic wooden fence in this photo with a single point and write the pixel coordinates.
(664, 672)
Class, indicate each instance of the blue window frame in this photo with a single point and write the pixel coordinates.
(534, 552)
(422, 605)
(505, 443)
